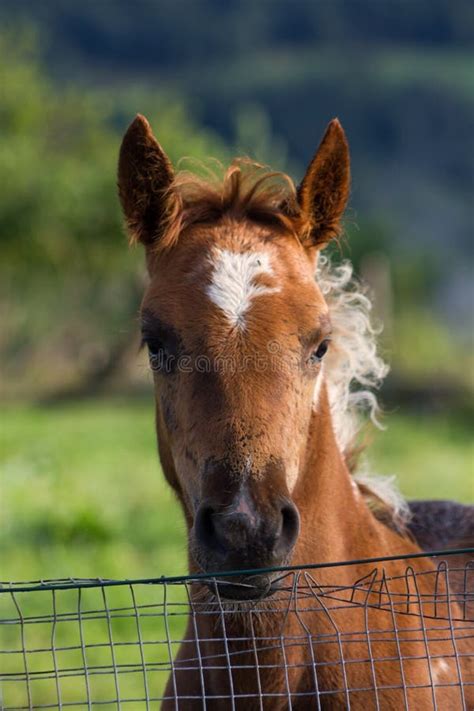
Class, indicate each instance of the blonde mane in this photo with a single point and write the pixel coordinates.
(353, 369)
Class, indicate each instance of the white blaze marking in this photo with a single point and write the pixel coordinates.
(233, 282)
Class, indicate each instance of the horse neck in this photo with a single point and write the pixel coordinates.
(336, 523)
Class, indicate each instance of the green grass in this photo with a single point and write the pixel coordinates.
(431, 456)
(83, 496)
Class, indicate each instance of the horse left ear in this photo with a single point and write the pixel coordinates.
(324, 190)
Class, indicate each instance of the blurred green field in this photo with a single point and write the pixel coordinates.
(83, 494)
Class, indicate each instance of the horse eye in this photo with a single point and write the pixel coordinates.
(155, 351)
(317, 355)
(159, 358)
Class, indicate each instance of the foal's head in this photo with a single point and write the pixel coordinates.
(237, 330)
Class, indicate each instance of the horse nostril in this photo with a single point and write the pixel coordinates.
(224, 531)
(290, 526)
(204, 529)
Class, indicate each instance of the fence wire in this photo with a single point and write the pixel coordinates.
(326, 638)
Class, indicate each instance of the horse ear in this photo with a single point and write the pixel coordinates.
(144, 174)
(323, 193)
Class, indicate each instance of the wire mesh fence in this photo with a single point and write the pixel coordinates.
(399, 635)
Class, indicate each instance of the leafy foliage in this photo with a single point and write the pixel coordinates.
(66, 269)
(58, 154)
(264, 83)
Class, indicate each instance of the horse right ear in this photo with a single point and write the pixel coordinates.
(144, 175)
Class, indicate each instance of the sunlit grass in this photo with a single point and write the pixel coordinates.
(83, 494)
(431, 456)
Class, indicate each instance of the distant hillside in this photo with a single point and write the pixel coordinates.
(398, 74)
